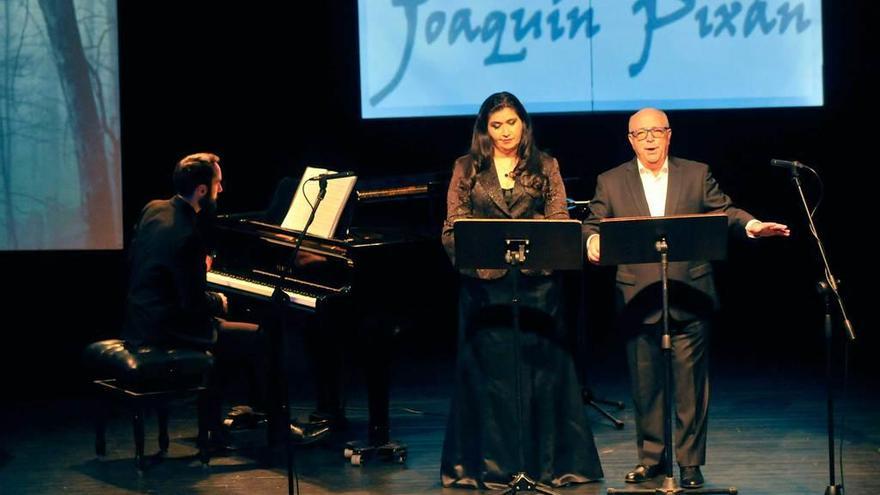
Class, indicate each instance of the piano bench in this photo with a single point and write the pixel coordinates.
(142, 378)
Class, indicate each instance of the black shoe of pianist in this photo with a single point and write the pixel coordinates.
(244, 418)
(306, 433)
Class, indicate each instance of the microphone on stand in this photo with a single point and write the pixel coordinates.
(786, 164)
(323, 178)
(334, 175)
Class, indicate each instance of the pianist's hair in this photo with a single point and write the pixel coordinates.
(528, 171)
(192, 171)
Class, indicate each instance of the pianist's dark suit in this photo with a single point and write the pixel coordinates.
(168, 303)
(500, 424)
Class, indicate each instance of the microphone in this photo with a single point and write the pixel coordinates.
(335, 175)
(786, 164)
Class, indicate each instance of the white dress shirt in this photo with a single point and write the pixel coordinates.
(655, 187)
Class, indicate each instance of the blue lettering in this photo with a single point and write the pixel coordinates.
(556, 31)
(434, 26)
(410, 11)
(796, 14)
(494, 26)
(756, 17)
(585, 19)
(654, 23)
(526, 26)
(702, 17)
(520, 29)
(727, 14)
(461, 23)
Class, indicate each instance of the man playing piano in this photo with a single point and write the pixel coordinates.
(168, 303)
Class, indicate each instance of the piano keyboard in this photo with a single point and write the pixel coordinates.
(250, 287)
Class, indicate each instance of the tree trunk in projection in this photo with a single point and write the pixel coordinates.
(73, 73)
(6, 96)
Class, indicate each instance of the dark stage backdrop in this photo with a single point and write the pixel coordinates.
(273, 88)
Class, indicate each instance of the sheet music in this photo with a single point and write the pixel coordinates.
(330, 210)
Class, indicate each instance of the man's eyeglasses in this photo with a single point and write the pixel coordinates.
(642, 134)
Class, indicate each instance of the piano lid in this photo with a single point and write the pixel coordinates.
(382, 209)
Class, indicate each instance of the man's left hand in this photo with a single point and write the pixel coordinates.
(768, 229)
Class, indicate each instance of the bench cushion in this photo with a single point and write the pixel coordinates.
(146, 367)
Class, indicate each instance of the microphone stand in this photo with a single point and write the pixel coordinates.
(828, 288)
(829, 276)
(281, 300)
(587, 395)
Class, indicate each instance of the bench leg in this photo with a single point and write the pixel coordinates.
(138, 423)
(204, 455)
(162, 413)
(101, 430)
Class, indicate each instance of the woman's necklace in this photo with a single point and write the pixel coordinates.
(505, 167)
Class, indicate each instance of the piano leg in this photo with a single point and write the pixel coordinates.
(327, 344)
(378, 337)
(277, 412)
(378, 340)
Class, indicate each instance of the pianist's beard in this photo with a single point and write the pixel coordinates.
(208, 208)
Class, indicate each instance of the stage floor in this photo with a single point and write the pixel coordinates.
(767, 435)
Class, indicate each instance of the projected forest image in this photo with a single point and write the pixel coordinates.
(60, 184)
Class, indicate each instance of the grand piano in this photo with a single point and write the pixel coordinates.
(362, 284)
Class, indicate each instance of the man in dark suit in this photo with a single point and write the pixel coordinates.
(655, 184)
(168, 303)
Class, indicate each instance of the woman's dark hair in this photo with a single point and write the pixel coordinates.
(482, 149)
(192, 171)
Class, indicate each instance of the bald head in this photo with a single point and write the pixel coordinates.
(637, 119)
(649, 135)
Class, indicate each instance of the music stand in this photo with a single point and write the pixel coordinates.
(632, 240)
(518, 244)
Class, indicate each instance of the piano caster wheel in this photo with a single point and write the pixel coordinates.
(358, 453)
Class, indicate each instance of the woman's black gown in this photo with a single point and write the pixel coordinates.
(517, 405)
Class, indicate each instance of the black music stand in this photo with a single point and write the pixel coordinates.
(519, 244)
(632, 240)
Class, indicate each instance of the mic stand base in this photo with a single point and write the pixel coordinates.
(670, 487)
(834, 490)
(522, 483)
(591, 400)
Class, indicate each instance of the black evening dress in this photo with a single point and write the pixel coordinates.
(517, 404)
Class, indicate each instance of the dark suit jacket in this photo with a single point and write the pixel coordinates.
(474, 194)
(168, 303)
(691, 189)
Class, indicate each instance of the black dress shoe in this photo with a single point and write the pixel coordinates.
(244, 418)
(307, 432)
(642, 473)
(336, 422)
(691, 477)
